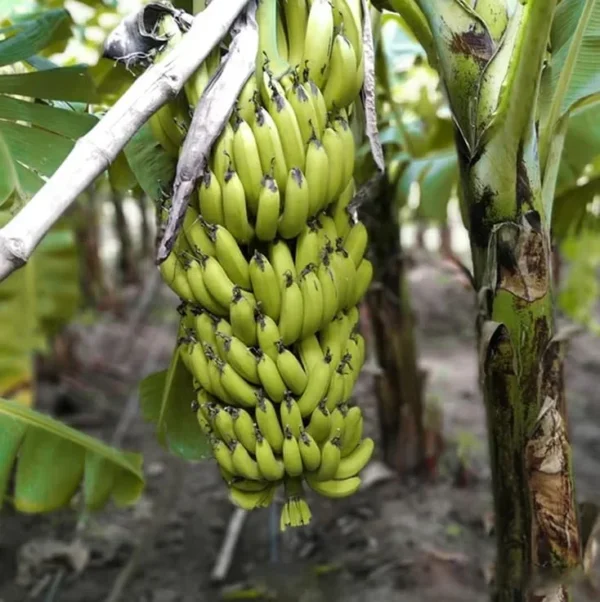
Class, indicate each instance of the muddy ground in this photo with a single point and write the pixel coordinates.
(409, 541)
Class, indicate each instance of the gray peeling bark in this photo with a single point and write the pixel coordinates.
(490, 63)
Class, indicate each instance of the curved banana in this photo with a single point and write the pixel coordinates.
(198, 366)
(312, 301)
(353, 430)
(356, 242)
(230, 256)
(235, 212)
(282, 261)
(316, 388)
(343, 71)
(243, 463)
(241, 316)
(174, 275)
(250, 500)
(265, 285)
(269, 204)
(268, 423)
(210, 198)
(247, 162)
(296, 17)
(364, 276)
(222, 454)
(329, 293)
(223, 424)
(340, 214)
(310, 352)
(197, 284)
(246, 102)
(270, 148)
(214, 374)
(292, 460)
(308, 246)
(241, 359)
(332, 339)
(319, 426)
(342, 127)
(338, 422)
(317, 174)
(352, 464)
(195, 233)
(289, 130)
(270, 467)
(335, 392)
(292, 311)
(334, 148)
(217, 282)
(320, 107)
(318, 40)
(309, 451)
(222, 153)
(244, 429)
(246, 485)
(334, 488)
(296, 204)
(290, 416)
(240, 391)
(291, 370)
(303, 108)
(267, 334)
(223, 332)
(330, 459)
(270, 378)
(351, 22)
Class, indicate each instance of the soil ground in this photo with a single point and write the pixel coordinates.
(408, 540)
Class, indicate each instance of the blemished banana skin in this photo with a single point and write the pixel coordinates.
(271, 264)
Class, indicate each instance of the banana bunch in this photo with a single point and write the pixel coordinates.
(270, 267)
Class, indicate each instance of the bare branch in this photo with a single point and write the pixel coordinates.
(95, 151)
(210, 115)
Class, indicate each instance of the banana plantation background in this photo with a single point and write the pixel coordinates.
(88, 326)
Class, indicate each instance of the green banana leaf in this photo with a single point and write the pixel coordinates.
(51, 461)
(30, 34)
(572, 74)
(166, 399)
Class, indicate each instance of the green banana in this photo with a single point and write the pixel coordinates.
(343, 71)
(335, 392)
(269, 204)
(265, 285)
(270, 149)
(296, 17)
(244, 429)
(290, 416)
(267, 334)
(270, 467)
(223, 424)
(309, 451)
(210, 198)
(338, 421)
(334, 488)
(268, 423)
(352, 464)
(217, 282)
(199, 366)
(292, 311)
(319, 426)
(308, 246)
(310, 352)
(250, 500)
(320, 107)
(329, 292)
(246, 101)
(174, 274)
(340, 214)
(364, 275)
(270, 378)
(234, 206)
(312, 300)
(222, 154)
(230, 256)
(317, 174)
(197, 284)
(195, 232)
(292, 460)
(303, 108)
(247, 162)
(356, 242)
(316, 388)
(223, 332)
(318, 40)
(241, 315)
(282, 261)
(334, 148)
(241, 358)
(353, 430)
(222, 454)
(243, 463)
(342, 127)
(296, 204)
(291, 370)
(240, 391)
(330, 459)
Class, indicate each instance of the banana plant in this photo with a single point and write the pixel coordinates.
(43, 111)
(513, 73)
